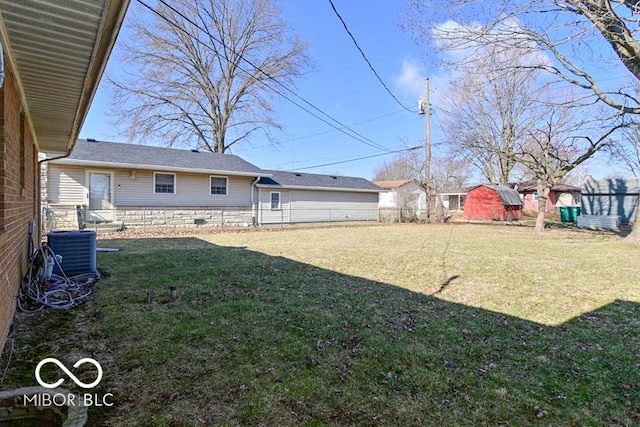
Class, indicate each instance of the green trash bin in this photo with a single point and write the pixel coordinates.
(575, 212)
(565, 214)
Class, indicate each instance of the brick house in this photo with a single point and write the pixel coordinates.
(53, 57)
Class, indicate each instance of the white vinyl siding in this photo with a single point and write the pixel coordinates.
(387, 199)
(299, 206)
(275, 200)
(191, 190)
(266, 215)
(66, 186)
(568, 199)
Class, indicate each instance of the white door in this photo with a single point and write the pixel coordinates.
(100, 197)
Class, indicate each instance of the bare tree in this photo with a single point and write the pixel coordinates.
(450, 173)
(562, 139)
(487, 111)
(629, 153)
(503, 116)
(584, 40)
(204, 73)
(581, 37)
(398, 168)
(447, 173)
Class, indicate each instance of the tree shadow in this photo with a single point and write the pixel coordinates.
(609, 197)
(258, 339)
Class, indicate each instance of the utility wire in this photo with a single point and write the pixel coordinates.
(300, 139)
(355, 160)
(341, 127)
(353, 39)
(352, 124)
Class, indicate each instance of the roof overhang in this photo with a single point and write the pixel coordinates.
(137, 166)
(57, 51)
(307, 187)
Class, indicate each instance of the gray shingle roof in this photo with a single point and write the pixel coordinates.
(151, 157)
(532, 185)
(508, 195)
(307, 180)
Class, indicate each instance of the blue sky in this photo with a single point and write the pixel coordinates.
(342, 86)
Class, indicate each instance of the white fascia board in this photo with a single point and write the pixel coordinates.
(306, 187)
(138, 166)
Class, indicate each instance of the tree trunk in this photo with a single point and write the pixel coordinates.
(543, 195)
(634, 236)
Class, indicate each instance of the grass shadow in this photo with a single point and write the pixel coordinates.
(255, 339)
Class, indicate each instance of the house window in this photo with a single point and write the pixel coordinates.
(535, 196)
(218, 185)
(164, 183)
(275, 201)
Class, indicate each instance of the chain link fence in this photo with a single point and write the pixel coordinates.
(148, 219)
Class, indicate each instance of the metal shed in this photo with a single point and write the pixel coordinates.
(611, 197)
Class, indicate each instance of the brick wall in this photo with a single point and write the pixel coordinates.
(19, 197)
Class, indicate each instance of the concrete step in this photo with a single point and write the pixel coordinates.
(105, 227)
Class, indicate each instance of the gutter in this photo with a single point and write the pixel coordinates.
(40, 162)
(117, 165)
(308, 187)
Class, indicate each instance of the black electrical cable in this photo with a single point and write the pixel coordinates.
(353, 39)
(340, 126)
(41, 288)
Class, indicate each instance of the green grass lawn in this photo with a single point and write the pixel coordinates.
(402, 325)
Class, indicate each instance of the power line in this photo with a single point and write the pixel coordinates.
(355, 160)
(341, 127)
(344, 24)
(352, 124)
(301, 139)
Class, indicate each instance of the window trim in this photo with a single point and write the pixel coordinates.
(175, 182)
(279, 207)
(226, 188)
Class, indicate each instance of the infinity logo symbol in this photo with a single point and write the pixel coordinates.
(68, 372)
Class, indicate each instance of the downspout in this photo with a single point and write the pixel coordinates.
(39, 197)
(254, 208)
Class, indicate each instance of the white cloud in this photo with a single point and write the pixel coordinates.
(464, 44)
(410, 80)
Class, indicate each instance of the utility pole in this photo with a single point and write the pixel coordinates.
(424, 107)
